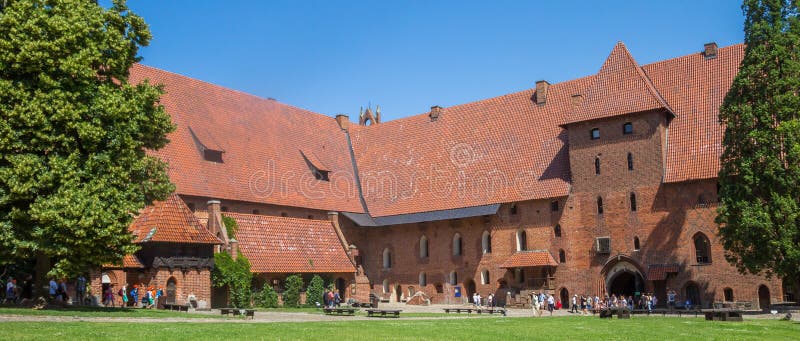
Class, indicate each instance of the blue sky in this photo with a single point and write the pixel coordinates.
(336, 56)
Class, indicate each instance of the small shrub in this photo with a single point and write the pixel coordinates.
(267, 297)
(291, 297)
(315, 290)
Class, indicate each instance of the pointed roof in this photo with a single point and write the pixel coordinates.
(620, 87)
(170, 221)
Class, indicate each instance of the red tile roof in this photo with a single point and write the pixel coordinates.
(283, 245)
(262, 141)
(170, 221)
(695, 88)
(523, 259)
(128, 262)
(619, 88)
(658, 272)
(497, 150)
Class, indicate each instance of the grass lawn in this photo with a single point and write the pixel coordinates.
(593, 328)
(103, 312)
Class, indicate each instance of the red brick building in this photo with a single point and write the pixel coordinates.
(602, 184)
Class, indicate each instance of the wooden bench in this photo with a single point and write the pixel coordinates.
(340, 311)
(459, 310)
(491, 311)
(622, 313)
(724, 314)
(680, 312)
(226, 311)
(167, 306)
(383, 313)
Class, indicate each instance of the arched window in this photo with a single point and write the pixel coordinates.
(423, 279)
(457, 245)
(453, 278)
(636, 246)
(423, 247)
(630, 161)
(562, 256)
(702, 248)
(522, 240)
(597, 165)
(557, 230)
(387, 259)
(599, 205)
(633, 202)
(485, 276)
(728, 294)
(486, 242)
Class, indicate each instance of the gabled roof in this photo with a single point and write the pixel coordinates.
(290, 245)
(170, 221)
(262, 140)
(619, 88)
(524, 259)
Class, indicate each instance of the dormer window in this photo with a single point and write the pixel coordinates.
(212, 155)
(318, 169)
(595, 134)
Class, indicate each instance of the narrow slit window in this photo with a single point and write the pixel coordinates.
(597, 166)
(633, 202)
(630, 161)
(599, 205)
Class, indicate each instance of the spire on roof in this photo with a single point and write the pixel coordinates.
(620, 87)
(368, 116)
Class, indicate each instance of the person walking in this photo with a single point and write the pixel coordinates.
(53, 287)
(80, 289)
(574, 307)
(535, 305)
(671, 299)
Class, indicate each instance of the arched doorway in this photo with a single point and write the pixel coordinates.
(693, 294)
(626, 283)
(398, 292)
(470, 286)
(763, 297)
(172, 288)
(340, 285)
(623, 276)
(564, 295)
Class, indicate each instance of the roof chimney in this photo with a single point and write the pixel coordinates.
(710, 50)
(435, 112)
(343, 120)
(214, 223)
(541, 91)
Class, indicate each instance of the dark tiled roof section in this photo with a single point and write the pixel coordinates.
(170, 221)
(262, 141)
(290, 245)
(695, 89)
(619, 88)
(658, 272)
(524, 259)
(497, 150)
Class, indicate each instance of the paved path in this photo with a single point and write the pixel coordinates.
(269, 316)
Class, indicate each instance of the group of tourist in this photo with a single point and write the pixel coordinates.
(541, 301)
(138, 296)
(331, 298)
(478, 301)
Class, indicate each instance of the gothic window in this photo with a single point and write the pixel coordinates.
(636, 245)
(630, 161)
(457, 245)
(522, 240)
(557, 230)
(486, 242)
(387, 259)
(423, 247)
(633, 202)
(702, 248)
(597, 165)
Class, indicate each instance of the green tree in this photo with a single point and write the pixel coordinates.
(291, 296)
(760, 175)
(235, 275)
(314, 291)
(267, 297)
(73, 133)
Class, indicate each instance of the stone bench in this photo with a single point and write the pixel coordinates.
(340, 311)
(383, 313)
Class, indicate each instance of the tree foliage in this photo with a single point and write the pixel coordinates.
(314, 291)
(291, 296)
(267, 297)
(231, 226)
(73, 133)
(759, 192)
(236, 275)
